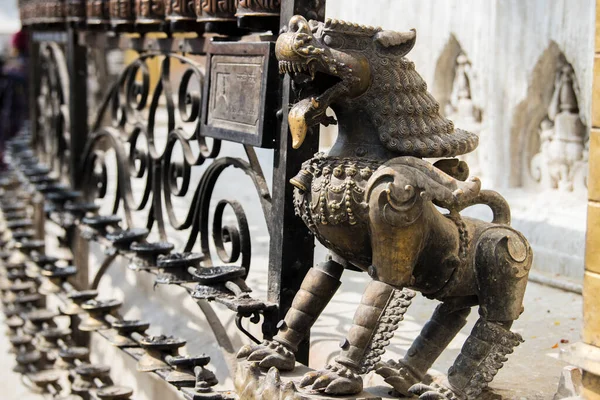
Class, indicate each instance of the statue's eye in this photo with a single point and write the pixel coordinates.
(332, 41)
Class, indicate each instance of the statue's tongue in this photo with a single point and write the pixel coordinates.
(297, 121)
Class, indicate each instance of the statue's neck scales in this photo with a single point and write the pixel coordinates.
(357, 136)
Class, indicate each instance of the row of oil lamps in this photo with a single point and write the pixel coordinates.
(227, 16)
(49, 320)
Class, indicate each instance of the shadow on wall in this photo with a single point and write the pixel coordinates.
(529, 114)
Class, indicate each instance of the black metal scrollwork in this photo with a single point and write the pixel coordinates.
(162, 160)
(53, 139)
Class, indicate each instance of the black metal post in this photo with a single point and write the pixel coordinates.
(78, 107)
(292, 246)
(33, 88)
(78, 116)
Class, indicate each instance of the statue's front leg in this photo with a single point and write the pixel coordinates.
(317, 289)
(381, 308)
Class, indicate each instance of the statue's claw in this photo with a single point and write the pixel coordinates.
(335, 379)
(269, 354)
(433, 391)
(396, 374)
(323, 381)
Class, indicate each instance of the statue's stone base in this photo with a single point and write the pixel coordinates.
(252, 383)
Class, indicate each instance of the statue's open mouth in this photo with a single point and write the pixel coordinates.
(317, 90)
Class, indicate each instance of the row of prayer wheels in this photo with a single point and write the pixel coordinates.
(152, 15)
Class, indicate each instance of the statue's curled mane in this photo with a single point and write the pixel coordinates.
(407, 116)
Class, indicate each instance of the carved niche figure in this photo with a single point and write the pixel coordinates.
(562, 159)
(372, 201)
(462, 110)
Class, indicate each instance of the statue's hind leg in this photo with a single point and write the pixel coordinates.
(502, 262)
(447, 320)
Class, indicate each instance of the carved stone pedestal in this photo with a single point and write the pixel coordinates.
(253, 383)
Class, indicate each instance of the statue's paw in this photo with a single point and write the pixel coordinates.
(433, 391)
(335, 379)
(269, 354)
(397, 375)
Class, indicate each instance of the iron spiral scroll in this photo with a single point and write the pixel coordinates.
(163, 159)
(52, 102)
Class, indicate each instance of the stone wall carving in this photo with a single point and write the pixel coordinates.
(561, 162)
(462, 110)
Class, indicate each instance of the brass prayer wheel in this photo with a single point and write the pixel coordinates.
(122, 14)
(215, 10)
(47, 12)
(217, 15)
(180, 14)
(150, 14)
(33, 11)
(75, 11)
(97, 12)
(29, 12)
(258, 8)
(258, 15)
(57, 11)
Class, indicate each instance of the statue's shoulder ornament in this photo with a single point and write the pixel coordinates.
(330, 190)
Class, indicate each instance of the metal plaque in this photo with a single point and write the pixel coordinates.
(236, 103)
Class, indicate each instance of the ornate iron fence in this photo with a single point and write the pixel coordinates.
(139, 155)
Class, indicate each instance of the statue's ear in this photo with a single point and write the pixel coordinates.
(314, 25)
(398, 42)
